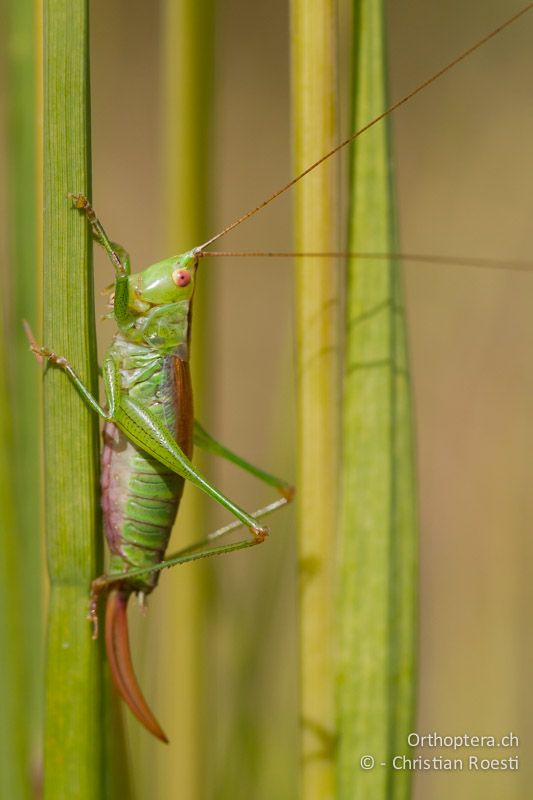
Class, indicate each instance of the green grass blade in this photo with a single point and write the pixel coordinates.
(317, 301)
(378, 528)
(73, 735)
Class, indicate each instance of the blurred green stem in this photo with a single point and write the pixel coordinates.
(187, 73)
(14, 725)
(377, 565)
(21, 640)
(317, 299)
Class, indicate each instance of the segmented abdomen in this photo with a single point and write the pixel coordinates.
(140, 496)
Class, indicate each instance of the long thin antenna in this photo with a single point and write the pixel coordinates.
(457, 261)
(370, 124)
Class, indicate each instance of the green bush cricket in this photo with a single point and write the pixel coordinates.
(149, 425)
(148, 439)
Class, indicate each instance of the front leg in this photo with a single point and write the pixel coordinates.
(119, 258)
(117, 254)
(42, 352)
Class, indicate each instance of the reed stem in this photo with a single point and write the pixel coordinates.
(73, 713)
(317, 301)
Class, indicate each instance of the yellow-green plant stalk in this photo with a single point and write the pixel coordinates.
(377, 567)
(186, 72)
(313, 29)
(73, 713)
(14, 725)
(21, 632)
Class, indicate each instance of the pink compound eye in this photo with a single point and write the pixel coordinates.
(181, 277)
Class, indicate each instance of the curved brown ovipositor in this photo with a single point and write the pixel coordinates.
(118, 653)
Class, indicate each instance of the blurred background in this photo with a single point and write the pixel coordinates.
(463, 184)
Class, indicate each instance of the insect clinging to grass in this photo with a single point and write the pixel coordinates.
(148, 436)
(149, 427)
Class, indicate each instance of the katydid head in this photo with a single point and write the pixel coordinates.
(168, 281)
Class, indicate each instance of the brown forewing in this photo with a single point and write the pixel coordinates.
(184, 406)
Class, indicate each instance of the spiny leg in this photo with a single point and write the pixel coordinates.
(204, 440)
(144, 429)
(116, 629)
(192, 552)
